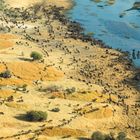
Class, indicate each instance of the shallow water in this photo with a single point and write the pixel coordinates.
(111, 23)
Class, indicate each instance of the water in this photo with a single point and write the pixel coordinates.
(111, 23)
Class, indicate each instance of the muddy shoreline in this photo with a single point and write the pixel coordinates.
(77, 32)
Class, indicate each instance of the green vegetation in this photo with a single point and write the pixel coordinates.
(6, 74)
(36, 56)
(2, 5)
(100, 136)
(55, 110)
(51, 89)
(35, 116)
(121, 136)
(55, 88)
(97, 136)
(70, 90)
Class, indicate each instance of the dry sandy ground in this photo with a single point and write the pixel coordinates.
(60, 69)
(27, 3)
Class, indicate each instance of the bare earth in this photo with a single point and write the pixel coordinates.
(103, 99)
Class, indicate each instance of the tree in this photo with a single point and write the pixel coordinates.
(36, 56)
(2, 4)
(97, 136)
(121, 136)
(35, 116)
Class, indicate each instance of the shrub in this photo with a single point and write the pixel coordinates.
(24, 87)
(109, 137)
(97, 136)
(55, 110)
(51, 89)
(36, 56)
(6, 74)
(52, 97)
(2, 4)
(35, 116)
(121, 136)
(100, 136)
(70, 90)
